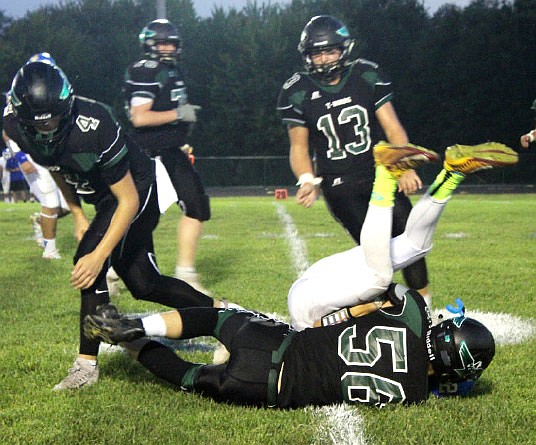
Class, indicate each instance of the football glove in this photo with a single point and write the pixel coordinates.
(187, 113)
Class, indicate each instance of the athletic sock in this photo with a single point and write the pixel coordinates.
(182, 271)
(444, 185)
(384, 188)
(154, 325)
(50, 244)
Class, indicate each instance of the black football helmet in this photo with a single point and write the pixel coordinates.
(42, 101)
(160, 31)
(461, 348)
(323, 33)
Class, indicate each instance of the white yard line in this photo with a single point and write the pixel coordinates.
(338, 424)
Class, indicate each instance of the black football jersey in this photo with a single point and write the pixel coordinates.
(375, 359)
(341, 118)
(93, 155)
(163, 84)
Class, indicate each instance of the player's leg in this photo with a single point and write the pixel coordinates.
(47, 193)
(84, 371)
(459, 162)
(391, 163)
(360, 274)
(347, 201)
(135, 262)
(196, 209)
(416, 274)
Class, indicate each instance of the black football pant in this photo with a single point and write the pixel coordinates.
(135, 262)
(251, 340)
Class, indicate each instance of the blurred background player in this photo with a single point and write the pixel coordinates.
(339, 109)
(162, 118)
(45, 190)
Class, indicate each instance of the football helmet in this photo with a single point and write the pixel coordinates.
(42, 57)
(42, 100)
(323, 33)
(160, 31)
(460, 348)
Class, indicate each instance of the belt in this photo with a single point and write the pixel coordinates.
(275, 368)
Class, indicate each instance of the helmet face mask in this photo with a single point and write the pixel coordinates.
(461, 348)
(161, 32)
(325, 34)
(42, 99)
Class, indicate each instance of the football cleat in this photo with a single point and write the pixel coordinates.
(82, 373)
(107, 310)
(52, 254)
(467, 159)
(113, 330)
(400, 158)
(192, 278)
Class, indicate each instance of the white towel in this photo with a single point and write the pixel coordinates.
(166, 192)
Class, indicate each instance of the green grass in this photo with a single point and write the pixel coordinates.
(244, 257)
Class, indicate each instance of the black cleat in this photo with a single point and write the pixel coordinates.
(113, 330)
(107, 310)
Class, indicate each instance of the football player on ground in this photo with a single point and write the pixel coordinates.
(390, 355)
(80, 142)
(339, 109)
(162, 118)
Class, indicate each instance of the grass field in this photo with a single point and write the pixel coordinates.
(484, 253)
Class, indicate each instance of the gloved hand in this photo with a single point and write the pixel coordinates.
(187, 113)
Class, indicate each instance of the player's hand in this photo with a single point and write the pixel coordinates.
(526, 139)
(307, 194)
(187, 113)
(409, 182)
(86, 271)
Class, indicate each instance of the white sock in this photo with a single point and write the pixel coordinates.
(181, 270)
(154, 325)
(50, 244)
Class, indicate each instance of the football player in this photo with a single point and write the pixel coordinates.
(338, 109)
(162, 117)
(388, 355)
(53, 204)
(90, 158)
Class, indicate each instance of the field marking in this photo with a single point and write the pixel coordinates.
(341, 424)
(338, 424)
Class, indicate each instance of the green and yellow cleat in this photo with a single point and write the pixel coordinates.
(400, 158)
(467, 159)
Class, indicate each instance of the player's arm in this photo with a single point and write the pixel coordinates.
(301, 165)
(347, 313)
(89, 266)
(81, 223)
(395, 133)
(141, 115)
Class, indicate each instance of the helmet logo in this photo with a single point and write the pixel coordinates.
(42, 117)
(343, 32)
(470, 367)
